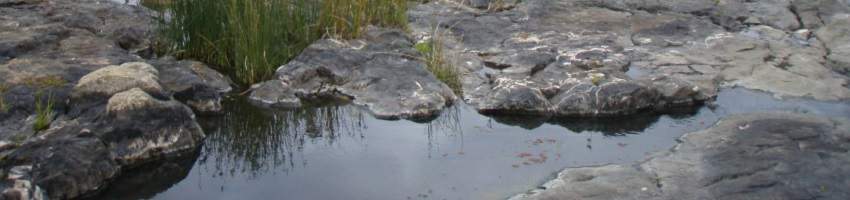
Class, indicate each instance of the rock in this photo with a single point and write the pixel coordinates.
(112, 111)
(751, 156)
(379, 72)
(836, 37)
(63, 168)
(193, 83)
(495, 5)
(274, 93)
(562, 58)
(100, 85)
(77, 157)
(142, 127)
(554, 58)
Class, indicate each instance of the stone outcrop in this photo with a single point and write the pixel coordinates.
(115, 106)
(752, 156)
(608, 58)
(193, 83)
(381, 71)
(81, 152)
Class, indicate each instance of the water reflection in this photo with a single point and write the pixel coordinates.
(251, 140)
(608, 126)
(150, 179)
(252, 153)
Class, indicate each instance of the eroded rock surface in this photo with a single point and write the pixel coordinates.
(603, 58)
(114, 106)
(752, 156)
(381, 72)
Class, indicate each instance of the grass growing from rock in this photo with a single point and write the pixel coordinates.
(432, 51)
(249, 39)
(3, 106)
(43, 111)
(44, 105)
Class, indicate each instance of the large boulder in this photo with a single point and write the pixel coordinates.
(141, 127)
(104, 83)
(193, 83)
(380, 71)
(751, 156)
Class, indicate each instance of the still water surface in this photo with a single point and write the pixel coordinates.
(341, 152)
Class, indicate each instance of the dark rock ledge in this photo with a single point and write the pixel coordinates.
(115, 106)
(752, 156)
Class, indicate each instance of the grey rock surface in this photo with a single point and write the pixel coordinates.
(381, 71)
(751, 156)
(193, 83)
(618, 57)
(115, 107)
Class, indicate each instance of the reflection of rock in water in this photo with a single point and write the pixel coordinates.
(634, 123)
(150, 179)
(619, 126)
(250, 140)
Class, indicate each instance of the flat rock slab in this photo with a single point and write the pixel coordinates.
(580, 58)
(381, 71)
(751, 156)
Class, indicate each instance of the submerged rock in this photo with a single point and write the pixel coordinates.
(380, 71)
(752, 156)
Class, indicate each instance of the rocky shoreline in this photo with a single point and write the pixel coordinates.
(750, 156)
(89, 67)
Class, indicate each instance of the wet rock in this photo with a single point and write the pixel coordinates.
(752, 156)
(193, 83)
(142, 127)
(112, 110)
(379, 71)
(276, 94)
(64, 168)
(76, 157)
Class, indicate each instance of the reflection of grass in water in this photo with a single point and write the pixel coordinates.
(250, 141)
(448, 123)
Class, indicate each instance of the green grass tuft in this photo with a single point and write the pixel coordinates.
(43, 111)
(432, 51)
(3, 106)
(249, 39)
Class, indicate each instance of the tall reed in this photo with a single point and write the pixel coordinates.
(248, 39)
(437, 63)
